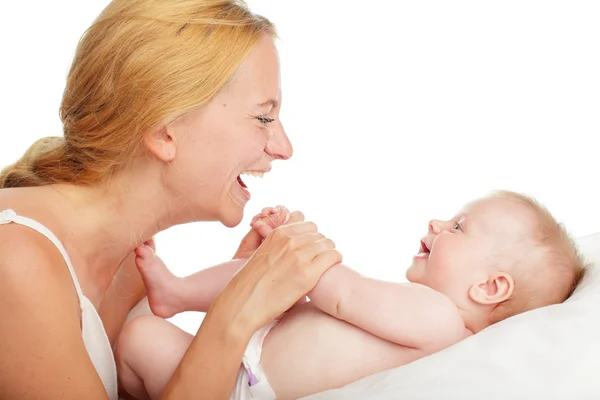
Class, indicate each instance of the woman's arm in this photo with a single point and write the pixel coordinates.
(211, 363)
(286, 266)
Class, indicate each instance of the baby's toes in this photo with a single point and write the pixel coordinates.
(145, 254)
(150, 243)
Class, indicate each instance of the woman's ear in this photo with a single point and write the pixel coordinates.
(161, 143)
(494, 290)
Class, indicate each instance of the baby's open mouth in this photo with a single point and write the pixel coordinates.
(423, 250)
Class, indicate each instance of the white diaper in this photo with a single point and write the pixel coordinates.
(252, 382)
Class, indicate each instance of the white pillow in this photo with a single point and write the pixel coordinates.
(548, 353)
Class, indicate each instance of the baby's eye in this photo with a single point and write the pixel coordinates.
(457, 227)
(264, 119)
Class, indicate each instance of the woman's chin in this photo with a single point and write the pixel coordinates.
(232, 216)
(230, 223)
(232, 207)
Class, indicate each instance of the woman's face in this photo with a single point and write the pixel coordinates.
(238, 131)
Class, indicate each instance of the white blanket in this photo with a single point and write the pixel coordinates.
(548, 353)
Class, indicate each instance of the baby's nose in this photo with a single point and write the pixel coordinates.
(435, 226)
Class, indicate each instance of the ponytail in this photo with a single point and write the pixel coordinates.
(45, 162)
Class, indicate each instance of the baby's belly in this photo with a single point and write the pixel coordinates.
(309, 352)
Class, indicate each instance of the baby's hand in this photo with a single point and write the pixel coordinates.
(262, 225)
(269, 219)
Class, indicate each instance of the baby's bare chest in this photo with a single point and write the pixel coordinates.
(310, 351)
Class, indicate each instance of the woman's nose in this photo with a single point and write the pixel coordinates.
(279, 146)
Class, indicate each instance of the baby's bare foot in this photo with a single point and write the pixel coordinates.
(269, 218)
(262, 225)
(162, 286)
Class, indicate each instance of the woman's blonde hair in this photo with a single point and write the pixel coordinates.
(141, 63)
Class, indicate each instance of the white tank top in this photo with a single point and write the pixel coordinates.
(93, 332)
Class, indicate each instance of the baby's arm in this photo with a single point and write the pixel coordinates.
(408, 314)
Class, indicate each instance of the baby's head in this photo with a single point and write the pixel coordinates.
(501, 255)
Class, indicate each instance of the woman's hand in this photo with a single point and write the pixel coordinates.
(286, 266)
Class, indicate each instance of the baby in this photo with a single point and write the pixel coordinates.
(502, 255)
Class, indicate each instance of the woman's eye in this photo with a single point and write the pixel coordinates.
(264, 119)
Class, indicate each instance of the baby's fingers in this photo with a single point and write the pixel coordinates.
(262, 227)
(265, 212)
(284, 215)
(272, 217)
(276, 216)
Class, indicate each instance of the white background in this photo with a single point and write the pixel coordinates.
(398, 111)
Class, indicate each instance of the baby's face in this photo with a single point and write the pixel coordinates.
(482, 238)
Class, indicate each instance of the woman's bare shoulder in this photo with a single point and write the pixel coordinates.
(43, 353)
(27, 258)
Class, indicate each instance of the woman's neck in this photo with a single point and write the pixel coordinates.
(105, 224)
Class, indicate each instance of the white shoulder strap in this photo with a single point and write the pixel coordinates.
(8, 216)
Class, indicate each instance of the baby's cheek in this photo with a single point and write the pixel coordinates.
(430, 273)
(444, 275)
(439, 270)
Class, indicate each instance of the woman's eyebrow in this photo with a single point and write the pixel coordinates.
(272, 102)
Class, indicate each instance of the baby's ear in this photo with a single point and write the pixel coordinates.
(494, 290)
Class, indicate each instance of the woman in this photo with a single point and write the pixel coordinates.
(166, 104)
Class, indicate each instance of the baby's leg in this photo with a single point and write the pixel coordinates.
(169, 295)
(148, 352)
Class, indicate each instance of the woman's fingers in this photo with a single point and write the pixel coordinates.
(288, 264)
(317, 247)
(325, 260)
(304, 239)
(296, 216)
(296, 229)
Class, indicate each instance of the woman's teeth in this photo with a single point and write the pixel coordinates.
(257, 174)
(253, 173)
